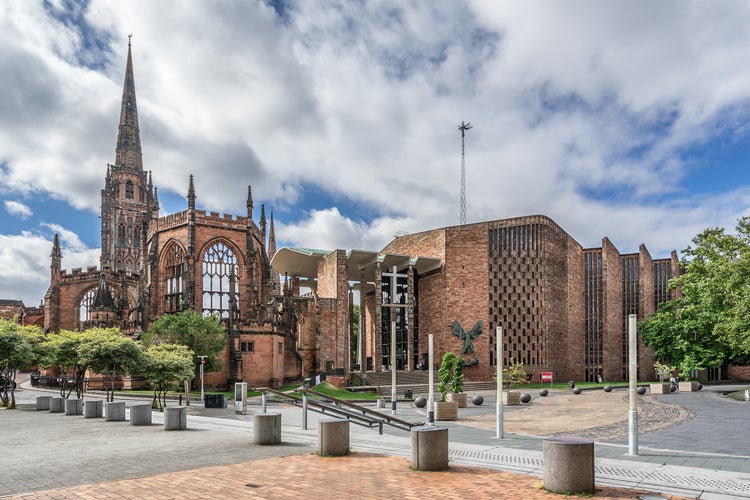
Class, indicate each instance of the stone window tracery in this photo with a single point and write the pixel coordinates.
(173, 264)
(219, 263)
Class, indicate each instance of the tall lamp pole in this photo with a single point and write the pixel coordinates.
(203, 362)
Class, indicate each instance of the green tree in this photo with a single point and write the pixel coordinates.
(205, 336)
(111, 354)
(450, 374)
(708, 323)
(165, 367)
(61, 351)
(18, 352)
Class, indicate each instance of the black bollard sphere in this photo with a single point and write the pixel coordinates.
(607, 388)
(577, 390)
(525, 397)
(543, 392)
(477, 400)
(641, 390)
(420, 402)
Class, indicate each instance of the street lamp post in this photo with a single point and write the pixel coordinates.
(203, 362)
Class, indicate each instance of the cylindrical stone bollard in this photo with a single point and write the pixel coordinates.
(74, 407)
(429, 448)
(42, 403)
(333, 437)
(569, 465)
(175, 418)
(57, 405)
(140, 414)
(267, 428)
(114, 411)
(92, 408)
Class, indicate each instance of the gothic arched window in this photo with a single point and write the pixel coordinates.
(121, 235)
(84, 307)
(219, 263)
(173, 263)
(129, 190)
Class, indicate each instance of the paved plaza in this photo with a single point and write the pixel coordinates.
(696, 447)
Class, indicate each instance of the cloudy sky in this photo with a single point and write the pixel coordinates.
(625, 119)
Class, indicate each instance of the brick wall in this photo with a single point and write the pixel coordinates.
(611, 312)
(739, 373)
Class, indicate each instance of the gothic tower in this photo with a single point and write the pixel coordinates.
(127, 196)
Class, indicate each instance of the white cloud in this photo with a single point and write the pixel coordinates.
(583, 111)
(18, 209)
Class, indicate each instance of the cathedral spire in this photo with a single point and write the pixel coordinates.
(56, 254)
(271, 239)
(128, 151)
(263, 222)
(249, 202)
(191, 194)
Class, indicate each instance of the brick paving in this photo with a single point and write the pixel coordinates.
(363, 475)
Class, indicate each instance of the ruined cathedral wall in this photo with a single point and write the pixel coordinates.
(72, 287)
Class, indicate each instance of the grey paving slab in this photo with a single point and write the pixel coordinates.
(46, 450)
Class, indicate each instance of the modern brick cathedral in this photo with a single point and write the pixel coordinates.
(563, 308)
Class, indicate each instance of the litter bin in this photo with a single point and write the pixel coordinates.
(571, 384)
(213, 401)
(408, 394)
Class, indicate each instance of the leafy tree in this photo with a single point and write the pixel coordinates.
(165, 367)
(204, 336)
(450, 374)
(61, 350)
(663, 371)
(18, 351)
(708, 323)
(514, 374)
(109, 353)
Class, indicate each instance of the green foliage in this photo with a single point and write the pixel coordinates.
(450, 374)
(514, 374)
(204, 336)
(61, 351)
(663, 371)
(708, 323)
(165, 366)
(109, 353)
(18, 351)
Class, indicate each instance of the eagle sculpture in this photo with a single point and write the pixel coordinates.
(467, 337)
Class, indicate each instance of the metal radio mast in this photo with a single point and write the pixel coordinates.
(463, 128)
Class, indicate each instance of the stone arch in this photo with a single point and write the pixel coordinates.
(219, 259)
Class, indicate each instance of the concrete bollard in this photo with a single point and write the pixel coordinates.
(74, 406)
(93, 408)
(175, 418)
(267, 428)
(569, 465)
(429, 448)
(140, 414)
(42, 403)
(57, 405)
(333, 437)
(114, 411)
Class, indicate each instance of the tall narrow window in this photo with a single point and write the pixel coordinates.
(85, 305)
(129, 190)
(173, 263)
(219, 265)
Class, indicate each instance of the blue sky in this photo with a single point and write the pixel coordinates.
(624, 119)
